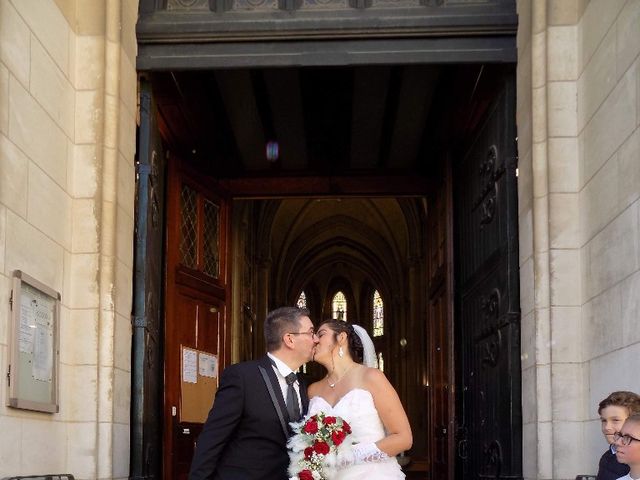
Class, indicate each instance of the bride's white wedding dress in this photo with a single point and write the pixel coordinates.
(358, 409)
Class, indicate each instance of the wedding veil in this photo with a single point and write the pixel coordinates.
(369, 357)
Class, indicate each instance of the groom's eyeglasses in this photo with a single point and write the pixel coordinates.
(311, 332)
(624, 439)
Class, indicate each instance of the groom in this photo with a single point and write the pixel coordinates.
(245, 435)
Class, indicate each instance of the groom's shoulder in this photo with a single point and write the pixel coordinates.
(244, 367)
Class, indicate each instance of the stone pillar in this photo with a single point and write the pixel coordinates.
(578, 119)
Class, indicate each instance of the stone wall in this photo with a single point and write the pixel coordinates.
(579, 185)
(68, 97)
(608, 118)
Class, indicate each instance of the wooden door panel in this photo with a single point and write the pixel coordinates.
(439, 383)
(147, 360)
(197, 326)
(196, 300)
(440, 328)
(209, 326)
(185, 326)
(487, 298)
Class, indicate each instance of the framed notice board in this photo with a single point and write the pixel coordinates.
(199, 383)
(33, 345)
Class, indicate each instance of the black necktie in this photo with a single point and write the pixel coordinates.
(293, 407)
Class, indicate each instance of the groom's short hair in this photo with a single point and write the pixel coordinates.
(280, 321)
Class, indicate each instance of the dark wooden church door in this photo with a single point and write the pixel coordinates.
(488, 404)
(147, 326)
(196, 307)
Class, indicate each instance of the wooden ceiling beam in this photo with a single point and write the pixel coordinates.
(236, 90)
(285, 100)
(370, 86)
(414, 101)
(287, 187)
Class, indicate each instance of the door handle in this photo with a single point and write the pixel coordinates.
(462, 449)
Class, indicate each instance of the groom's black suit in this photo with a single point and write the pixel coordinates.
(245, 435)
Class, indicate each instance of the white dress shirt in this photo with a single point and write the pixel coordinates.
(282, 370)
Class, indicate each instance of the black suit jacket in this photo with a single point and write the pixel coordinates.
(609, 468)
(245, 435)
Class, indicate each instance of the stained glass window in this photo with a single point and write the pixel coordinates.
(380, 362)
(378, 315)
(339, 306)
(302, 300)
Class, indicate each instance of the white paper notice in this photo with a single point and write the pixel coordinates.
(189, 366)
(27, 324)
(208, 365)
(42, 353)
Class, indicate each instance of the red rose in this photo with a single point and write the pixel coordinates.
(305, 475)
(329, 420)
(321, 448)
(311, 427)
(337, 437)
(308, 452)
(346, 427)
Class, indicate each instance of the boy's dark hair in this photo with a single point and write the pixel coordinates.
(628, 400)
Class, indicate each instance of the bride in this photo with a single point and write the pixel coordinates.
(361, 394)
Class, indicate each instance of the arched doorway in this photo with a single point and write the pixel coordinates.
(391, 122)
(348, 248)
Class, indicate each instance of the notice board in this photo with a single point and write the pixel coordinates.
(198, 383)
(34, 345)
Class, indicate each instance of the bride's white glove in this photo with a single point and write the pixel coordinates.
(359, 454)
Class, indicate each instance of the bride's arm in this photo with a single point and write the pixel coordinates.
(392, 414)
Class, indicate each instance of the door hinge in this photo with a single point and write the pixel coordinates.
(11, 301)
(9, 376)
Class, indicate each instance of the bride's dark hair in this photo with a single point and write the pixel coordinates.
(354, 344)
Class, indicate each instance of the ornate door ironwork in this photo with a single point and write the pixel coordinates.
(147, 366)
(489, 423)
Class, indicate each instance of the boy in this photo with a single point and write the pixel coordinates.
(613, 412)
(627, 443)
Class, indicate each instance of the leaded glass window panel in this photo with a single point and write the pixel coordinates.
(211, 260)
(378, 315)
(339, 306)
(188, 226)
(302, 300)
(380, 362)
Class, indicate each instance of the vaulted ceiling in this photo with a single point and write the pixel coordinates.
(313, 242)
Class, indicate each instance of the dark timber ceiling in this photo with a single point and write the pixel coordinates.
(340, 121)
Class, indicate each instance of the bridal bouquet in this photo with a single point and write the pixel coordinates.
(314, 442)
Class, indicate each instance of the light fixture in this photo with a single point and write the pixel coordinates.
(272, 150)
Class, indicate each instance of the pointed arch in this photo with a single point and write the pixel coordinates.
(339, 306)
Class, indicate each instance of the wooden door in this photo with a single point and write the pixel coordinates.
(197, 295)
(146, 355)
(489, 434)
(440, 328)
